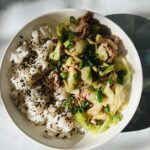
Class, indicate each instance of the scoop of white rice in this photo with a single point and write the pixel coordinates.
(28, 98)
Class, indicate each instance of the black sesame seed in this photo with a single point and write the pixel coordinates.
(23, 84)
(58, 118)
(45, 131)
(20, 43)
(64, 137)
(57, 134)
(21, 80)
(28, 92)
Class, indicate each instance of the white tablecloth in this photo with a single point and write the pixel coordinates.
(19, 13)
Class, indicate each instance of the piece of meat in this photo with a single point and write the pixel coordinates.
(115, 39)
(88, 17)
(110, 51)
(84, 93)
(87, 26)
(112, 54)
(84, 24)
(55, 81)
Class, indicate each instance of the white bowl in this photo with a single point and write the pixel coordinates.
(88, 141)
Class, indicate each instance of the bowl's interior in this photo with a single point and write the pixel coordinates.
(87, 141)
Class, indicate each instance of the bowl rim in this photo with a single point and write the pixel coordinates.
(68, 10)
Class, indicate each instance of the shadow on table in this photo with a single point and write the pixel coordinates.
(138, 29)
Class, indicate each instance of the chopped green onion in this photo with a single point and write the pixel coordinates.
(76, 109)
(54, 68)
(107, 109)
(75, 76)
(120, 78)
(107, 70)
(72, 19)
(117, 117)
(66, 103)
(97, 96)
(73, 110)
(85, 104)
(64, 75)
(105, 64)
(90, 63)
(110, 81)
(99, 122)
(71, 35)
(81, 64)
(68, 44)
(60, 63)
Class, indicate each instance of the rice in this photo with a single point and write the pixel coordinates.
(33, 89)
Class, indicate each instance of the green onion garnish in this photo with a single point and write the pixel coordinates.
(99, 122)
(107, 109)
(81, 64)
(68, 44)
(98, 95)
(64, 75)
(120, 76)
(110, 80)
(106, 71)
(72, 19)
(85, 104)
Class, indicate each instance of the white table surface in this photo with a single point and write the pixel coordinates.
(19, 13)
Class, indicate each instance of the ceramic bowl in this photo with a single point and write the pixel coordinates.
(88, 141)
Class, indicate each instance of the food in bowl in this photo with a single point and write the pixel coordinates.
(71, 81)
